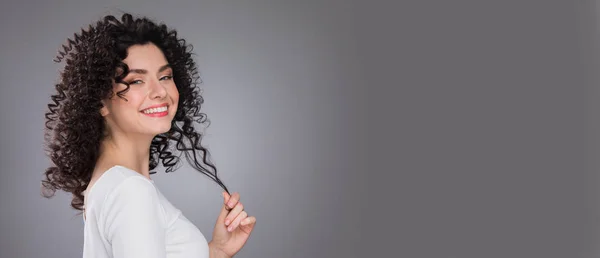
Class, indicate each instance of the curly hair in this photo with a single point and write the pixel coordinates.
(74, 126)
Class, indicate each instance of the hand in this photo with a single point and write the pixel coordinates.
(233, 226)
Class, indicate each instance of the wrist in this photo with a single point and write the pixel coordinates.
(215, 252)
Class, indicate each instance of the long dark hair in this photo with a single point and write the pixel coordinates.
(74, 126)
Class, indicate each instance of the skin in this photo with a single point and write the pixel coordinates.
(130, 133)
(232, 229)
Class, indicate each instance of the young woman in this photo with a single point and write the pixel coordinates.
(128, 99)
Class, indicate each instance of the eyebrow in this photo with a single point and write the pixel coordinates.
(144, 71)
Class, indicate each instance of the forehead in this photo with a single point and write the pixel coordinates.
(147, 56)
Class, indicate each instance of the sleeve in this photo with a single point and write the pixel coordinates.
(134, 221)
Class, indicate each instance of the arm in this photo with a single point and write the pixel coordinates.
(134, 220)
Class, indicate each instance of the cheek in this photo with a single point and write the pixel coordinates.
(174, 93)
(130, 103)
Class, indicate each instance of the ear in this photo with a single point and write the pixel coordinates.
(104, 109)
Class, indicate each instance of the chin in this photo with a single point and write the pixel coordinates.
(158, 125)
(163, 129)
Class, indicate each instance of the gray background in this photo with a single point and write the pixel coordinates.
(351, 129)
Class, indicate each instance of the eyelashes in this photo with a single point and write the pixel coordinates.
(134, 82)
(167, 77)
(164, 78)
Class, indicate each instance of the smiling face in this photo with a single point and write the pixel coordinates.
(152, 96)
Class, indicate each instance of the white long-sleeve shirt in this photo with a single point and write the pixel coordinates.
(126, 216)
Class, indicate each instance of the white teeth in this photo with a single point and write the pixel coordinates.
(155, 110)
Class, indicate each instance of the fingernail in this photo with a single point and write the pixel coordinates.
(230, 228)
(230, 204)
(227, 222)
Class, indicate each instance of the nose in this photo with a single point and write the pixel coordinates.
(157, 90)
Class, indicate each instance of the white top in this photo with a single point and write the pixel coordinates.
(126, 216)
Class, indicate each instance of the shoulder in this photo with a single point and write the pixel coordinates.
(133, 194)
(119, 184)
(133, 187)
(130, 196)
(118, 174)
(122, 197)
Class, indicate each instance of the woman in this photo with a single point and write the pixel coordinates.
(127, 100)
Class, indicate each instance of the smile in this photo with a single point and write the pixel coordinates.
(156, 112)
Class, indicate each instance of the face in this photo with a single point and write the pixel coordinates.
(151, 99)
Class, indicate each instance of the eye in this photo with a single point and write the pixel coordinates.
(135, 82)
(166, 77)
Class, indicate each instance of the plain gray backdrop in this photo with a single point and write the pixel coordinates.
(351, 128)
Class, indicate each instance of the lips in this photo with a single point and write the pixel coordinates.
(158, 114)
(156, 110)
(155, 106)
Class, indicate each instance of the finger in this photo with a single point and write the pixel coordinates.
(226, 198)
(247, 225)
(237, 221)
(235, 197)
(234, 213)
(224, 209)
(248, 221)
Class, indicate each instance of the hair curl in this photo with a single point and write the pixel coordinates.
(74, 127)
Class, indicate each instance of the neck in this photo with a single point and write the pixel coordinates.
(132, 152)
